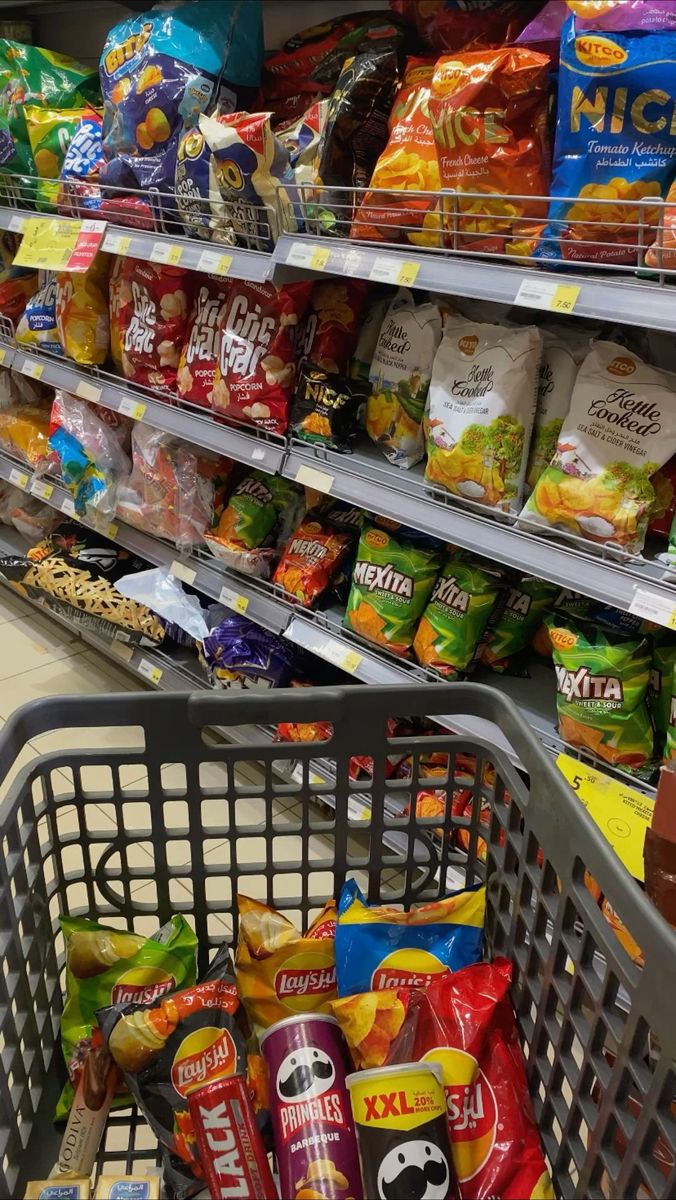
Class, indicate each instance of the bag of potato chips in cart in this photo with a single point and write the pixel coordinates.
(480, 410)
(620, 428)
(372, 1022)
(280, 972)
(399, 375)
(392, 580)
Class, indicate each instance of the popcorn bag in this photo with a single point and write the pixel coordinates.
(199, 354)
(153, 319)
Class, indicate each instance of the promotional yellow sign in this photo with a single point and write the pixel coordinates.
(50, 244)
(622, 813)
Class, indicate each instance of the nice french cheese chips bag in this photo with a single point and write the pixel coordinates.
(280, 972)
(379, 948)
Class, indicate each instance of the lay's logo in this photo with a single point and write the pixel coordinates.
(307, 979)
(203, 1056)
(596, 51)
(406, 968)
(142, 985)
(471, 1109)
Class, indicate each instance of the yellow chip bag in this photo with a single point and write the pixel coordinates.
(49, 133)
(280, 972)
(82, 312)
(371, 1022)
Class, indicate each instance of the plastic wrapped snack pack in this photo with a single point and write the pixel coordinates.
(238, 651)
(50, 133)
(455, 618)
(258, 519)
(82, 312)
(87, 454)
(78, 193)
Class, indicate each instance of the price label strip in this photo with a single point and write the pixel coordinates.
(166, 252)
(132, 408)
(310, 477)
(32, 369)
(314, 258)
(214, 263)
(88, 391)
(622, 813)
(394, 270)
(182, 571)
(233, 600)
(43, 490)
(652, 607)
(50, 244)
(3, 355)
(341, 656)
(547, 294)
(151, 672)
(116, 243)
(18, 478)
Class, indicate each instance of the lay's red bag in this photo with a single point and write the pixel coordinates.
(466, 1023)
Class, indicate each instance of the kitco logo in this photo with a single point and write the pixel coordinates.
(142, 985)
(467, 345)
(406, 968)
(621, 366)
(471, 1109)
(203, 1056)
(306, 980)
(596, 51)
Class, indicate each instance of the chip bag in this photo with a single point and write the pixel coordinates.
(256, 370)
(259, 516)
(106, 966)
(199, 353)
(620, 428)
(378, 948)
(601, 692)
(371, 1023)
(480, 410)
(465, 1022)
(450, 25)
(50, 133)
(37, 326)
(153, 322)
(78, 193)
(311, 558)
(280, 972)
(329, 331)
(326, 408)
(82, 312)
(399, 375)
(661, 688)
(17, 284)
(301, 138)
(24, 431)
(239, 651)
(610, 143)
(456, 616)
(408, 163)
(562, 352)
(513, 624)
(489, 114)
(392, 581)
(119, 300)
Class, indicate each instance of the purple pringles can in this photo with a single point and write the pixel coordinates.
(315, 1142)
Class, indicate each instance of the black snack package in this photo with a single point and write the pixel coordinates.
(326, 407)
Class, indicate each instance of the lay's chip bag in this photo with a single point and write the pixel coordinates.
(379, 948)
(280, 972)
(614, 142)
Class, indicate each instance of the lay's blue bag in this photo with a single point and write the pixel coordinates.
(615, 141)
(379, 947)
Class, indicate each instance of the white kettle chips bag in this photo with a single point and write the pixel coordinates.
(563, 350)
(480, 410)
(620, 428)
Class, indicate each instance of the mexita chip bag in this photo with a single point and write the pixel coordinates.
(378, 948)
(153, 320)
(620, 428)
(563, 349)
(489, 114)
(612, 143)
(82, 312)
(513, 623)
(399, 375)
(465, 1022)
(601, 692)
(280, 972)
(661, 688)
(311, 558)
(107, 966)
(407, 164)
(480, 410)
(455, 618)
(199, 353)
(392, 581)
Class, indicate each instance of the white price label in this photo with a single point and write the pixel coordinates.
(394, 270)
(547, 294)
(16, 224)
(341, 656)
(132, 408)
(258, 455)
(43, 490)
(214, 263)
(303, 254)
(32, 369)
(661, 609)
(18, 478)
(233, 600)
(67, 506)
(183, 571)
(87, 391)
(120, 650)
(166, 252)
(321, 481)
(116, 243)
(151, 672)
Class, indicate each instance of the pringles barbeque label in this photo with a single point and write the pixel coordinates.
(280, 972)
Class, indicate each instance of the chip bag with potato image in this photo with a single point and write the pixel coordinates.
(50, 133)
(311, 558)
(281, 972)
(371, 1022)
(456, 616)
(82, 317)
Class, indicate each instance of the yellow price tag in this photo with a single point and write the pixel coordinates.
(350, 661)
(564, 298)
(408, 273)
(43, 490)
(319, 258)
(622, 813)
(151, 672)
(33, 369)
(132, 408)
(170, 253)
(50, 244)
(214, 263)
(116, 243)
(233, 600)
(18, 478)
(3, 354)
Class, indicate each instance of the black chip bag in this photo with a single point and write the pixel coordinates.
(326, 407)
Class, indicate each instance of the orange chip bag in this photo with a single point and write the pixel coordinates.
(407, 164)
(311, 558)
(371, 1022)
(280, 972)
(489, 114)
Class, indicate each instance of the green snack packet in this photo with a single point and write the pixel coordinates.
(455, 618)
(49, 134)
(661, 691)
(252, 510)
(602, 685)
(513, 624)
(108, 966)
(392, 581)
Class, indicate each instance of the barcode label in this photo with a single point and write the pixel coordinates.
(18, 478)
(661, 609)
(233, 600)
(43, 490)
(151, 672)
(132, 408)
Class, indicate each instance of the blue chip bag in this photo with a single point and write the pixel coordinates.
(37, 326)
(79, 194)
(378, 947)
(615, 130)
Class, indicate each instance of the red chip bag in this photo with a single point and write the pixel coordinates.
(255, 375)
(465, 1022)
(331, 325)
(199, 356)
(152, 319)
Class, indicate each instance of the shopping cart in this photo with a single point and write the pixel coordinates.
(146, 813)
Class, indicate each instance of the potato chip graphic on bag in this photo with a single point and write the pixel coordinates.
(370, 1022)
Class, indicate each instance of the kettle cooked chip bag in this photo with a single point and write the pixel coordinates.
(562, 352)
(199, 353)
(399, 375)
(601, 692)
(392, 581)
(379, 948)
(480, 410)
(153, 322)
(455, 618)
(280, 972)
(620, 428)
(106, 966)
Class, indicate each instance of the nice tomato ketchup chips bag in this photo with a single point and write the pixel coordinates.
(256, 370)
(379, 948)
(152, 321)
(466, 1023)
(280, 972)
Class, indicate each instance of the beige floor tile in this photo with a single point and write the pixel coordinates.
(33, 642)
(12, 606)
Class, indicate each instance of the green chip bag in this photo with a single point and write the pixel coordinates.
(602, 684)
(513, 624)
(49, 134)
(252, 510)
(107, 966)
(660, 693)
(456, 616)
(392, 580)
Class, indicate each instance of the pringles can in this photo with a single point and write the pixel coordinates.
(310, 1108)
(402, 1131)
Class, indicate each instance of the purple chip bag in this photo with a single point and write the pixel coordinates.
(238, 649)
(612, 17)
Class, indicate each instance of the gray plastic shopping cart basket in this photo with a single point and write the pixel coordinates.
(141, 812)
